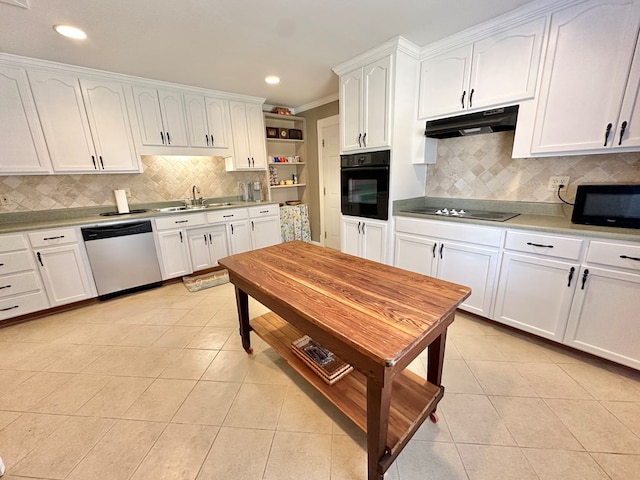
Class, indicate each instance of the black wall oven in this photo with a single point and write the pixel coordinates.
(364, 180)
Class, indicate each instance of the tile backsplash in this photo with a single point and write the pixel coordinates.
(164, 178)
(481, 167)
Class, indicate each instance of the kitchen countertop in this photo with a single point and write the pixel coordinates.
(45, 219)
(542, 217)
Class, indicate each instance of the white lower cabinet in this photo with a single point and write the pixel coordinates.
(537, 281)
(535, 294)
(63, 267)
(172, 241)
(207, 245)
(21, 290)
(364, 238)
(441, 254)
(173, 254)
(604, 313)
(236, 223)
(265, 226)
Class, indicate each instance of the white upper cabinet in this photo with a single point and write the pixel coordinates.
(496, 70)
(589, 56)
(247, 124)
(208, 120)
(110, 127)
(21, 139)
(365, 106)
(161, 117)
(85, 123)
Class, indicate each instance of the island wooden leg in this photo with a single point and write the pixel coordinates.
(378, 404)
(242, 301)
(435, 359)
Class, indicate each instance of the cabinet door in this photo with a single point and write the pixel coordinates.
(265, 232)
(197, 121)
(444, 80)
(218, 244)
(534, 294)
(173, 118)
(240, 129)
(504, 67)
(630, 112)
(199, 249)
(589, 55)
(240, 237)
(218, 117)
(474, 267)
(350, 236)
(416, 254)
(374, 241)
(64, 274)
(351, 110)
(174, 254)
(110, 127)
(604, 315)
(256, 132)
(62, 114)
(376, 127)
(149, 115)
(22, 145)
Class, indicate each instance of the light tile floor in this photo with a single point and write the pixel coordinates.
(156, 386)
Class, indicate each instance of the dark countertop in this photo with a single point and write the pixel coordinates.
(65, 217)
(542, 217)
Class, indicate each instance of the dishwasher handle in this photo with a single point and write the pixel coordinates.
(116, 230)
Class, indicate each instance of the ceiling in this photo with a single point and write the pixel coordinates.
(231, 45)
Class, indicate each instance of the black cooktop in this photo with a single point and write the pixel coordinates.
(461, 213)
(109, 214)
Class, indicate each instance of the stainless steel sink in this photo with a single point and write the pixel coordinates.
(184, 208)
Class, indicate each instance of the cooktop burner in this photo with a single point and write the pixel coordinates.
(474, 214)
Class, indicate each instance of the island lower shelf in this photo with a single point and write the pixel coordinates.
(413, 398)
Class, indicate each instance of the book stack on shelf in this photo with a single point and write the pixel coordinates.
(323, 362)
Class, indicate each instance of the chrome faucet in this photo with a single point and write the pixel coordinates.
(194, 199)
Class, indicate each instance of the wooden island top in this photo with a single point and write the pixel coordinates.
(376, 317)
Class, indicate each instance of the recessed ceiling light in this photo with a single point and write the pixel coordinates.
(272, 80)
(71, 32)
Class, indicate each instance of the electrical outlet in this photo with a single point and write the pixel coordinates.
(4, 200)
(556, 181)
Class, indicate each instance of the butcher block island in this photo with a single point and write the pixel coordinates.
(375, 317)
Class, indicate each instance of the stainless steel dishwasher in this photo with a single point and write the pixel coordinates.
(122, 256)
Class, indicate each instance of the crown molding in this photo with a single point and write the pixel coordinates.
(396, 44)
(522, 15)
(36, 63)
(317, 103)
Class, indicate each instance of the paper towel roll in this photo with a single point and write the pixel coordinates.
(121, 201)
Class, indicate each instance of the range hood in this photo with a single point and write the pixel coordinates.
(488, 121)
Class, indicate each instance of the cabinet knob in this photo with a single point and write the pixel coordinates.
(584, 278)
(635, 259)
(93, 159)
(40, 259)
(206, 137)
(168, 139)
(441, 250)
(471, 98)
(572, 270)
(101, 162)
(162, 137)
(359, 139)
(464, 94)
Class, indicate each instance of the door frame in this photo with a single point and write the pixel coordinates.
(322, 123)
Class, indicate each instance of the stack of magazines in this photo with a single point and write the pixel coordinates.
(323, 362)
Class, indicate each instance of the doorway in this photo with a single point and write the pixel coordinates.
(329, 169)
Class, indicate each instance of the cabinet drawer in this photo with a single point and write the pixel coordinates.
(53, 237)
(548, 245)
(21, 304)
(10, 243)
(614, 254)
(18, 283)
(15, 262)
(180, 221)
(264, 211)
(227, 215)
(450, 230)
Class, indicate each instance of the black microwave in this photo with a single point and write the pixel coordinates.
(610, 205)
